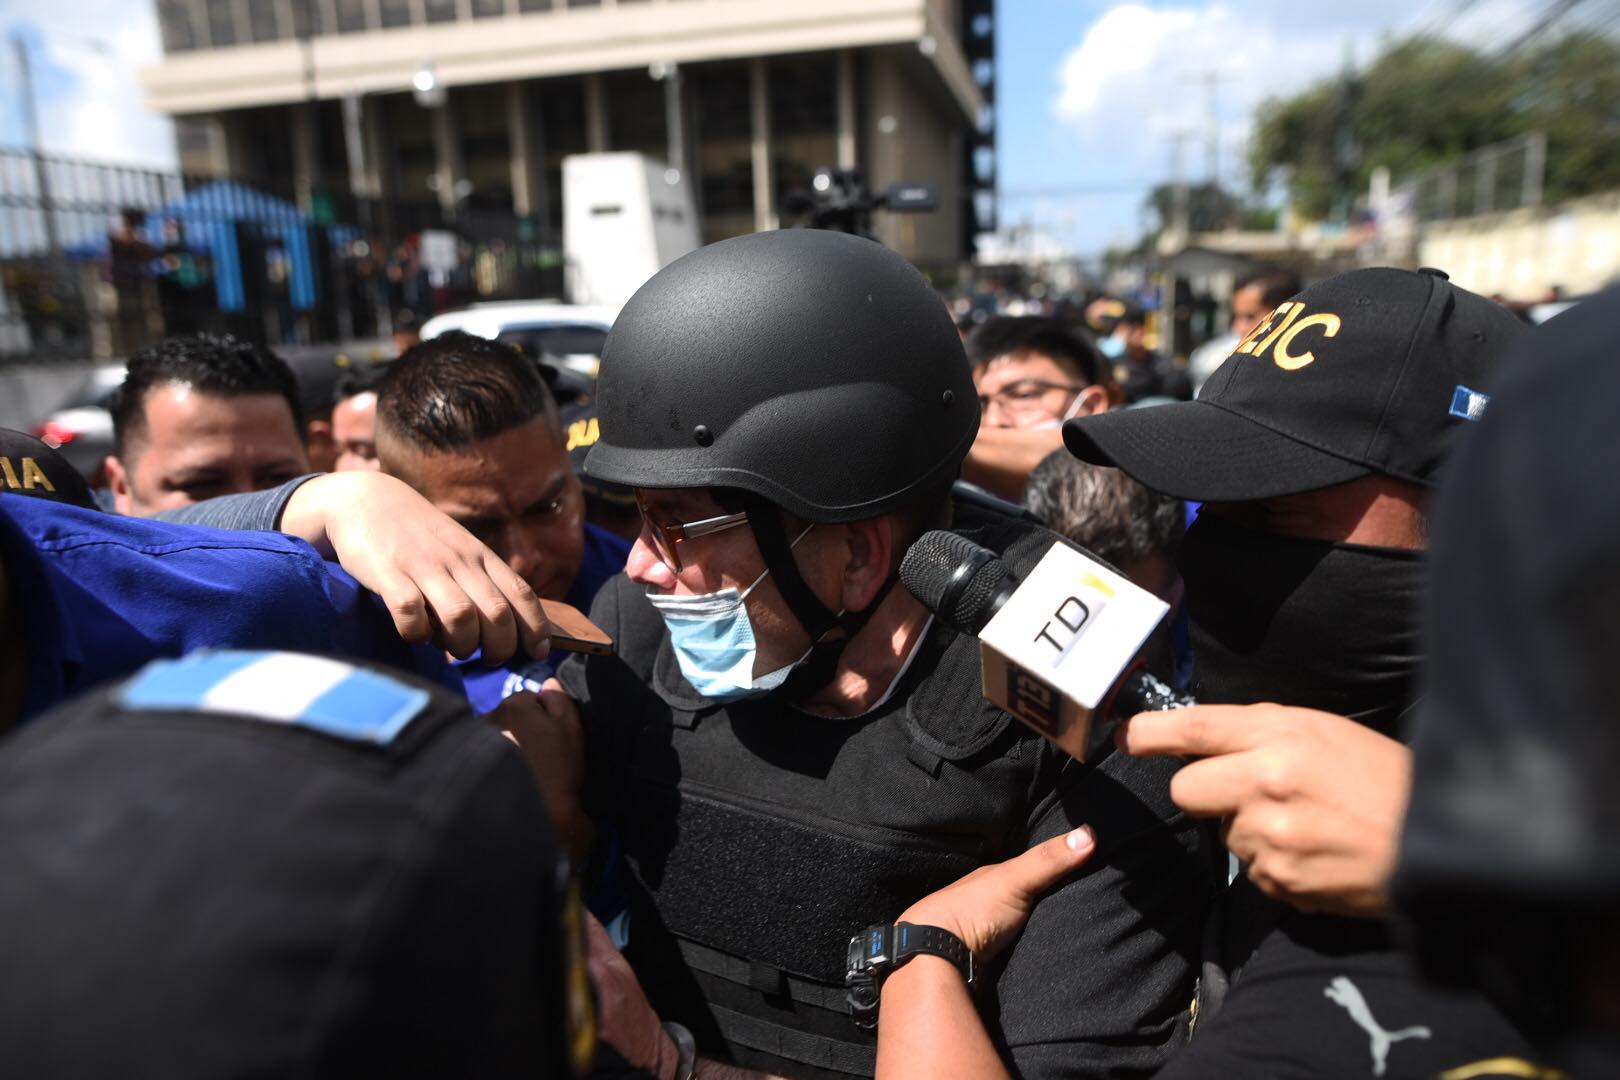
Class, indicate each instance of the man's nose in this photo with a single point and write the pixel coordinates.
(646, 567)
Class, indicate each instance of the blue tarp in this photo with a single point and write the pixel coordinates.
(207, 216)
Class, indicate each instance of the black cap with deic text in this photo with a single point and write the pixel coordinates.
(1368, 371)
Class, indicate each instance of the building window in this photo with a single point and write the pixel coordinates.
(534, 5)
(483, 9)
(351, 16)
(174, 19)
(306, 18)
(561, 107)
(221, 26)
(441, 11)
(396, 12)
(635, 111)
(262, 20)
(584, 3)
(804, 118)
(725, 163)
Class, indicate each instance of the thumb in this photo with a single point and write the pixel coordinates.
(1045, 864)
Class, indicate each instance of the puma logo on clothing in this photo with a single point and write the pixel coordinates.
(1341, 991)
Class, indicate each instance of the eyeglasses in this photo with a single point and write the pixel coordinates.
(1025, 398)
(666, 535)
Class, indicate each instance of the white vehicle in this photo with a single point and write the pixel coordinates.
(626, 216)
(567, 335)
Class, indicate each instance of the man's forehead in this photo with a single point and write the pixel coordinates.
(174, 407)
(1022, 364)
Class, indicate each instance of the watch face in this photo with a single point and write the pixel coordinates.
(871, 948)
(856, 960)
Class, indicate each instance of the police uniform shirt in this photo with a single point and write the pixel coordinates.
(100, 595)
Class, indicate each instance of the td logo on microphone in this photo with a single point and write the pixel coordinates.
(1062, 639)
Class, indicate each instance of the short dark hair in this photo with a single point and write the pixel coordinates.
(457, 389)
(1003, 335)
(1275, 285)
(358, 379)
(218, 364)
(1104, 511)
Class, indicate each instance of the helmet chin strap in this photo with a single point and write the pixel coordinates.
(765, 518)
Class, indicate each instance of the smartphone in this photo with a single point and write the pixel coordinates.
(571, 631)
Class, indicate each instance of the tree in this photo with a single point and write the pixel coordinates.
(1209, 207)
(1424, 103)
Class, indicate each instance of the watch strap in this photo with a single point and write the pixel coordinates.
(912, 939)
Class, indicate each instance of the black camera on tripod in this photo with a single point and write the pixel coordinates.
(839, 200)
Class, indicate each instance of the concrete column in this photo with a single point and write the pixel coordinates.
(303, 165)
(354, 144)
(447, 144)
(207, 146)
(759, 99)
(885, 139)
(371, 134)
(526, 168)
(846, 109)
(596, 115)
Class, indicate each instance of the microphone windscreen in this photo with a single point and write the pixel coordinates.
(958, 580)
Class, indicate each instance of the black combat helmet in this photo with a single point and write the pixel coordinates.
(815, 370)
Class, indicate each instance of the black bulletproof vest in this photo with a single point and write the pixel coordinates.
(761, 838)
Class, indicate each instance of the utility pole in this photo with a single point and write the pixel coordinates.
(1212, 80)
(42, 180)
(1181, 210)
(669, 73)
(306, 41)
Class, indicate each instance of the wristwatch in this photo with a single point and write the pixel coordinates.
(878, 950)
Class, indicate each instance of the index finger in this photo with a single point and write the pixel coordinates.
(533, 629)
(1196, 731)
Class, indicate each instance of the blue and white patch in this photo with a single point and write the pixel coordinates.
(315, 692)
(1468, 404)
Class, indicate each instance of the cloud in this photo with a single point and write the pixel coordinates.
(86, 55)
(1135, 79)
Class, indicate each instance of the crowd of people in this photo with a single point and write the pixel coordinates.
(258, 817)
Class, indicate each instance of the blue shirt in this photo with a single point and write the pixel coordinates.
(487, 686)
(100, 595)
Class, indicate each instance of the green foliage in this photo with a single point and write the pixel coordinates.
(1425, 103)
(1209, 207)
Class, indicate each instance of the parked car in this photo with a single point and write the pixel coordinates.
(567, 336)
(81, 428)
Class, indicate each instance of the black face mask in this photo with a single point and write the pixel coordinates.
(1314, 623)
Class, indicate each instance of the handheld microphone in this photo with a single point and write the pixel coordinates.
(1057, 647)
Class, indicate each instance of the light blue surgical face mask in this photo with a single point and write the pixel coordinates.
(1111, 347)
(713, 640)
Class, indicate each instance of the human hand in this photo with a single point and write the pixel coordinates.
(625, 1019)
(436, 579)
(1313, 802)
(546, 728)
(988, 907)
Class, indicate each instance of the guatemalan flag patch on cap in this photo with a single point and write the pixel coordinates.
(1468, 404)
(314, 692)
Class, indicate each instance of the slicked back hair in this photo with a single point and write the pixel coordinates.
(218, 364)
(458, 389)
(1006, 335)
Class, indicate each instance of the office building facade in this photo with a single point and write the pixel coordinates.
(468, 107)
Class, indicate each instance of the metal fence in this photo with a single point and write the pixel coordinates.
(98, 259)
(1502, 176)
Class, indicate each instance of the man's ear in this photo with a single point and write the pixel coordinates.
(118, 483)
(1093, 399)
(872, 551)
